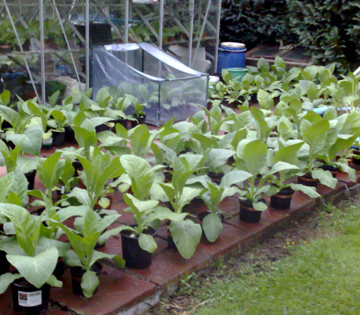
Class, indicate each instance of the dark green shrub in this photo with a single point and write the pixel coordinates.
(254, 22)
(329, 30)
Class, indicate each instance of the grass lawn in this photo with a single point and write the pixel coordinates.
(321, 276)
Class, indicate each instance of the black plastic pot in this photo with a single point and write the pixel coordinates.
(76, 277)
(282, 200)
(140, 121)
(47, 144)
(77, 166)
(247, 213)
(4, 264)
(122, 122)
(28, 299)
(101, 128)
(307, 180)
(30, 176)
(332, 169)
(167, 174)
(59, 269)
(70, 135)
(58, 139)
(356, 161)
(134, 255)
(169, 239)
(216, 177)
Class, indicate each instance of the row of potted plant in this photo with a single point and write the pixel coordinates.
(315, 86)
(172, 166)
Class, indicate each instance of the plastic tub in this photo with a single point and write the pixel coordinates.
(237, 73)
(231, 55)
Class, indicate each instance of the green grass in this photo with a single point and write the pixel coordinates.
(320, 277)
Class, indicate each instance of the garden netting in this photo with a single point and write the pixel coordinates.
(167, 87)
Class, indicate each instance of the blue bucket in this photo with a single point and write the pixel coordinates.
(231, 55)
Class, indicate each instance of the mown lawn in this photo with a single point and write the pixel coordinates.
(321, 276)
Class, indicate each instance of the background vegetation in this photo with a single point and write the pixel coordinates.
(329, 30)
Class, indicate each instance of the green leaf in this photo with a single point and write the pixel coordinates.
(5, 99)
(89, 283)
(212, 226)
(6, 279)
(315, 135)
(325, 177)
(141, 175)
(38, 269)
(233, 177)
(147, 243)
(260, 206)
(6, 182)
(282, 166)
(138, 205)
(255, 154)
(30, 140)
(310, 191)
(186, 235)
(50, 170)
(27, 227)
(52, 281)
(139, 140)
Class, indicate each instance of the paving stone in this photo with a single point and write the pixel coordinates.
(6, 303)
(229, 241)
(169, 266)
(344, 178)
(117, 290)
(327, 193)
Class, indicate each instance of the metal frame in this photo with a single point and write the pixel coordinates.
(132, 7)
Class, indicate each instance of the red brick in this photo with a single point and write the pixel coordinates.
(117, 290)
(6, 303)
(229, 241)
(344, 178)
(169, 266)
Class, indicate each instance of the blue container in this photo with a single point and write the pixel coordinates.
(231, 55)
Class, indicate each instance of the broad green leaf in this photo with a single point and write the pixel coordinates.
(27, 227)
(50, 170)
(52, 281)
(186, 196)
(89, 283)
(6, 279)
(30, 140)
(5, 99)
(186, 235)
(147, 243)
(325, 177)
(212, 226)
(315, 135)
(233, 177)
(255, 154)
(141, 175)
(282, 166)
(6, 182)
(139, 205)
(139, 141)
(260, 206)
(310, 191)
(38, 269)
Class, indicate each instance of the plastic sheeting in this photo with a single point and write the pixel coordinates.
(167, 87)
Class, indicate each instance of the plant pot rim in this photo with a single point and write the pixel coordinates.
(78, 271)
(247, 204)
(127, 233)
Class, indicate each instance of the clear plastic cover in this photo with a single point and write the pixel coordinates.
(167, 87)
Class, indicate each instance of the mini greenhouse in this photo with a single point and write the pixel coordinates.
(167, 87)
